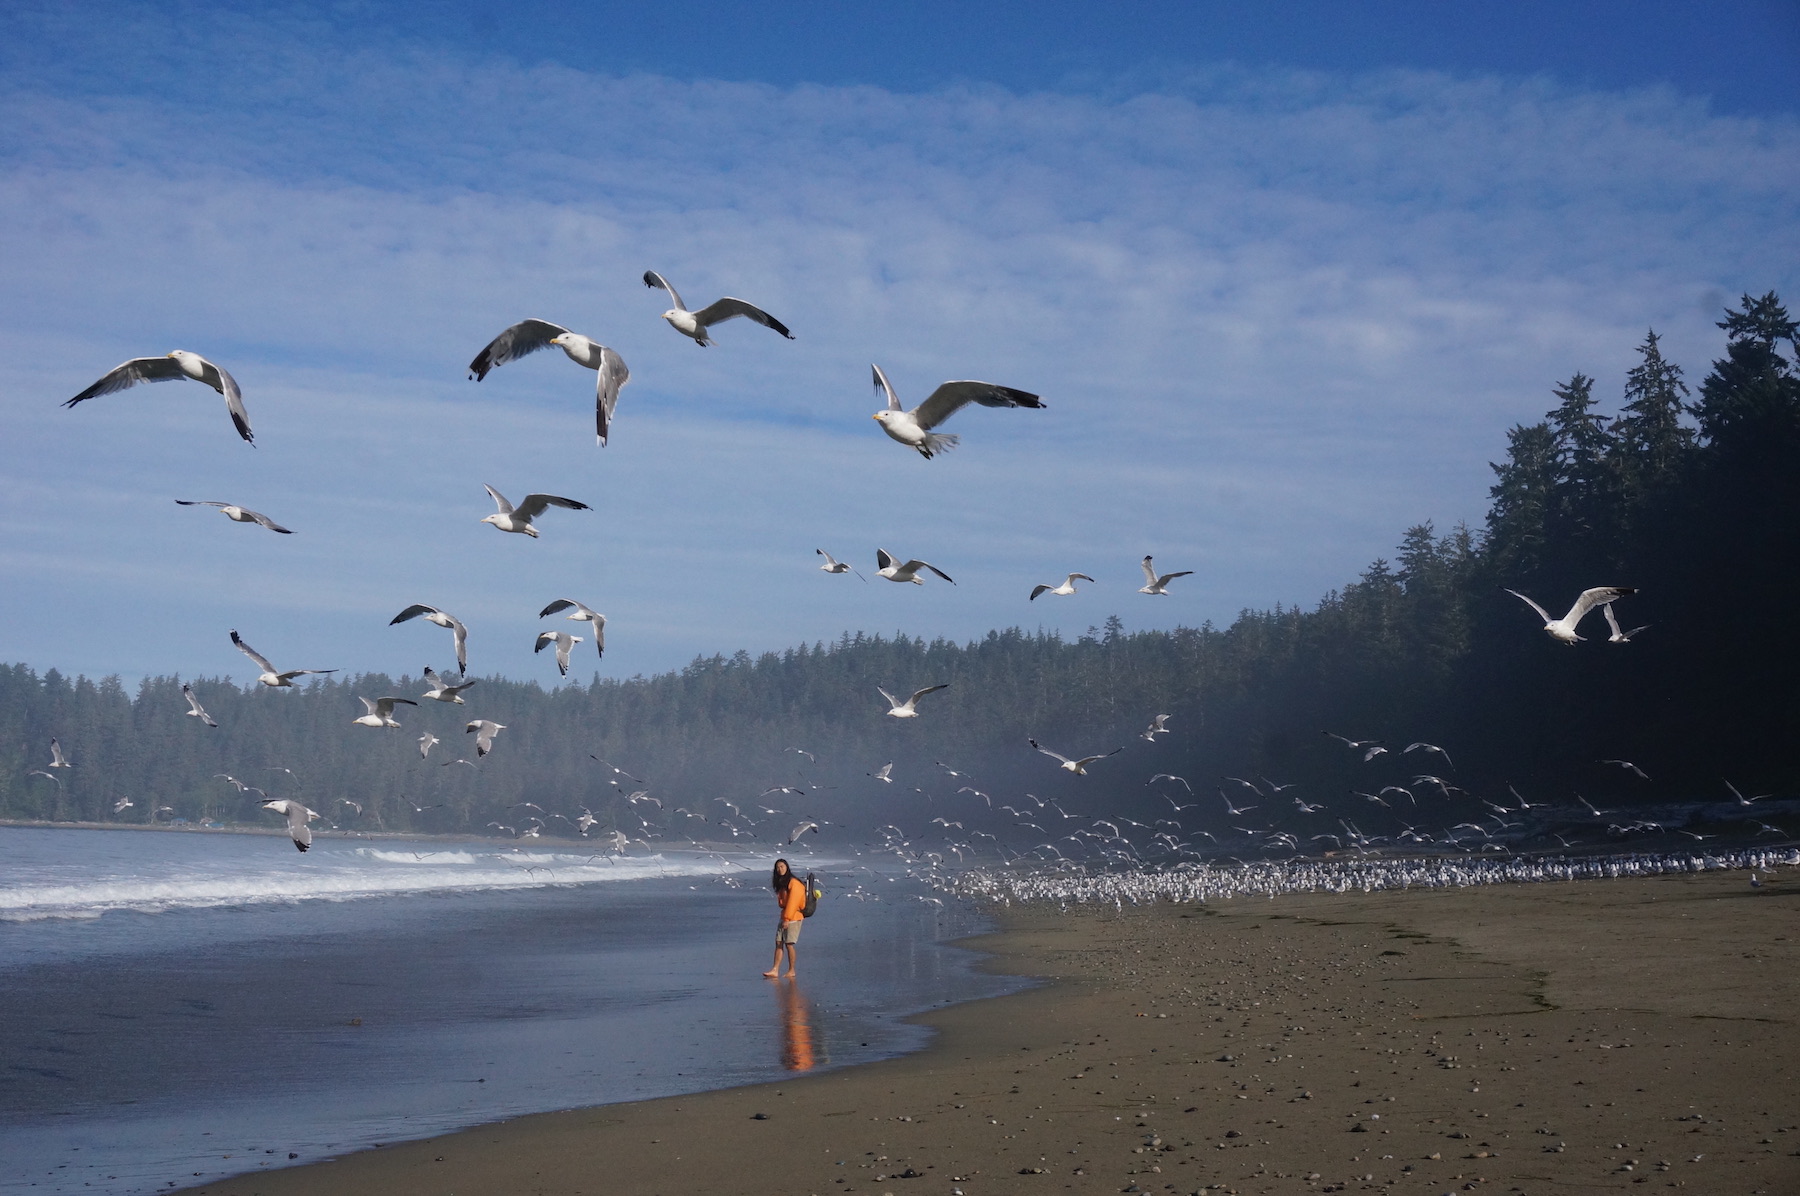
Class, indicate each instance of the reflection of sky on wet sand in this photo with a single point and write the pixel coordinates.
(802, 1046)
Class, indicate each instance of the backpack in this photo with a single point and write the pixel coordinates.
(812, 898)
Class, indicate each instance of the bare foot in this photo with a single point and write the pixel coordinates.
(771, 973)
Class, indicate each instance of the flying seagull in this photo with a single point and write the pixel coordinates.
(297, 817)
(178, 364)
(441, 690)
(694, 324)
(1618, 636)
(563, 641)
(579, 614)
(808, 825)
(381, 712)
(908, 708)
(1427, 747)
(1065, 589)
(1155, 584)
(1158, 726)
(484, 732)
(518, 519)
(881, 774)
(123, 804)
(914, 428)
(1628, 766)
(432, 614)
(427, 741)
(195, 709)
(269, 676)
(1564, 628)
(833, 565)
(57, 759)
(1078, 767)
(893, 570)
(528, 336)
(237, 514)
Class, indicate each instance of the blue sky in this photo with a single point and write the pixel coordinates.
(1283, 277)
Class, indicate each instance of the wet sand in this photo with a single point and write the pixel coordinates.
(1599, 1036)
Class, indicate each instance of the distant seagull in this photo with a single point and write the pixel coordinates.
(195, 709)
(1078, 767)
(693, 324)
(1355, 745)
(581, 615)
(1373, 752)
(297, 817)
(1741, 799)
(1617, 636)
(1157, 727)
(808, 825)
(1628, 766)
(1155, 584)
(1596, 811)
(243, 514)
(269, 676)
(913, 428)
(907, 709)
(518, 519)
(441, 690)
(484, 732)
(427, 741)
(178, 364)
(893, 570)
(1169, 776)
(354, 805)
(833, 565)
(1426, 747)
(882, 774)
(381, 712)
(120, 806)
(528, 336)
(1065, 589)
(432, 614)
(1564, 628)
(563, 641)
(48, 776)
(57, 759)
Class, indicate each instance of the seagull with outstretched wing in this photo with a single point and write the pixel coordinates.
(914, 428)
(1155, 584)
(178, 364)
(580, 614)
(442, 690)
(528, 336)
(270, 677)
(195, 709)
(442, 618)
(908, 708)
(564, 643)
(236, 513)
(694, 324)
(518, 519)
(1563, 629)
(1078, 767)
(897, 571)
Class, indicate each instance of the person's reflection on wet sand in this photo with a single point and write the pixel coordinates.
(798, 1050)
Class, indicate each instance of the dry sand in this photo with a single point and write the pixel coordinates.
(1569, 1038)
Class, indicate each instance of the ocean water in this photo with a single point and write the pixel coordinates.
(176, 1007)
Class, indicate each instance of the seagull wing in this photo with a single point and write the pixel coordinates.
(929, 689)
(221, 381)
(1053, 755)
(883, 559)
(385, 706)
(534, 505)
(461, 636)
(720, 310)
(952, 397)
(653, 279)
(527, 336)
(194, 705)
(896, 703)
(264, 521)
(1150, 575)
(598, 623)
(563, 604)
(252, 653)
(413, 612)
(506, 508)
(915, 566)
(1166, 578)
(1591, 598)
(130, 373)
(882, 384)
(610, 377)
(369, 706)
(1542, 613)
(1036, 590)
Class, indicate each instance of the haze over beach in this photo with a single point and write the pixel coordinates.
(1328, 469)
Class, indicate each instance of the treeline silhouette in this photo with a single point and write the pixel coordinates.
(1690, 495)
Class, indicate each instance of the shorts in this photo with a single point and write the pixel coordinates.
(789, 932)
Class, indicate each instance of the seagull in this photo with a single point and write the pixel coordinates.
(1157, 727)
(518, 519)
(441, 690)
(1065, 589)
(245, 515)
(1618, 636)
(693, 324)
(297, 817)
(563, 641)
(1628, 766)
(528, 336)
(195, 709)
(893, 570)
(1741, 799)
(484, 732)
(833, 565)
(907, 709)
(581, 615)
(913, 428)
(354, 805)
(1373, 752)
(1078, 767)
(57, 759)
(1355, 745)
(1427, 747)
(178, 364)
(48, 776)
(269, 676)
(881, 774)
(432, 614)
(1155, 584)
(808, 825)
(381, 712)
(1564, 628)
(120, 806)
(427, 741)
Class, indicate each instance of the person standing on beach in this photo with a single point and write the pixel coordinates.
(790, 895)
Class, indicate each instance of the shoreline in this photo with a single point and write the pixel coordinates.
(1588, 1036)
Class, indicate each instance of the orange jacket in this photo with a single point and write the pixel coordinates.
(793, 900)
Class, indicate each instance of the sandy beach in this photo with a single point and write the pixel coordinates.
(1583, 1037)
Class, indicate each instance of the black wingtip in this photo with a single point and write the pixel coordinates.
(301, 846)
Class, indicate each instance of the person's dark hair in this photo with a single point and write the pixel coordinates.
(778, 880)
